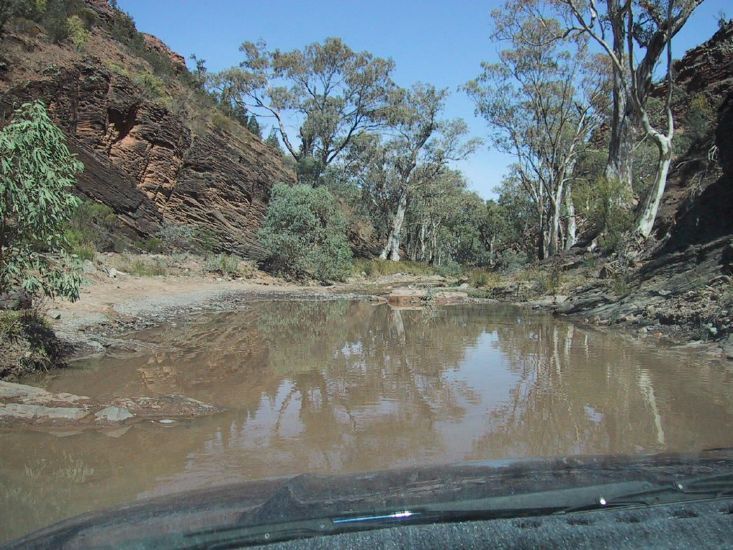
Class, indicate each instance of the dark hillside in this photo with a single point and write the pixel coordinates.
(155, 148)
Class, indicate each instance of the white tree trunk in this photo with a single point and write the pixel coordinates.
(392, 248)
(554, 230)
(571, 235)
(651, 204)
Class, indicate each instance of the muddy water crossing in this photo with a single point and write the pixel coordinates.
(351, 386)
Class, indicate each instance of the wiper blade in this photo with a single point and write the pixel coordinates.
(561, 501)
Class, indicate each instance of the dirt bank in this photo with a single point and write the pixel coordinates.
(111, 306)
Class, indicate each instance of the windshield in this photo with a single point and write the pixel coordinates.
(292, 270)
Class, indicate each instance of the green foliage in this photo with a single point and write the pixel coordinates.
(304, 234)
(698, 125)
(78, 33)
(377, 268)
(153, 86)
(141, 266)
(37, 173)
(620, 284)
(28, 343)
(309, 170)
(273, 141)
(205, 240)
(480, 278)
(254, 126)
(549, 280)
(89, 229)
(152, 245)
(174, 237)
(62, 19)
(227, 265)
(335, 92)
(450, 268)
(603, 204)
(10, 325)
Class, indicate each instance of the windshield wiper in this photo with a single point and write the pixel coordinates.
(561, 501)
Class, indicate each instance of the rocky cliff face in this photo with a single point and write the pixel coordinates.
(699, 195)
(150, 151)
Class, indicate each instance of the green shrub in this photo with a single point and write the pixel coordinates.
(152, 245)
(176, 237)
(378, 267)
(78, 33)
(90, 229)
(620, 284)
(225, 264)
(549, 280)
(10, 325)
(140, 266)
(605, 206)
(479, 278)
(205, 240)
(28, 343)
(304, 234)
(449, 269)
(84, 251)
(152, 85)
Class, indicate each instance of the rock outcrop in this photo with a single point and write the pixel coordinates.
(152, 149)
(24, 405)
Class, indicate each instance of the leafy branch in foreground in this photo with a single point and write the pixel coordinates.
(37, 172)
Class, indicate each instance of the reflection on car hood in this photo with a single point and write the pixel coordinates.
(281, 509)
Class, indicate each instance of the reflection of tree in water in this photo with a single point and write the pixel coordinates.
(366, 379)
(584, 393)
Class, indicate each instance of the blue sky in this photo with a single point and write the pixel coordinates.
(438, 41)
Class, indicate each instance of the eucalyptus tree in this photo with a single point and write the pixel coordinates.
(37, 174)
(327, 92)
(634, 35)
(541, 100)
(418, 148)
(435, 207)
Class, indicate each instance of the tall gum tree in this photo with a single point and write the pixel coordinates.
(633, 34)
(327, 91)
(541, 101)
(417, 150)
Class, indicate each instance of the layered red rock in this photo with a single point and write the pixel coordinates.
(151, 158)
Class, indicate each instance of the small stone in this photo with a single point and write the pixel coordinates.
(88, 267)
(113, 414)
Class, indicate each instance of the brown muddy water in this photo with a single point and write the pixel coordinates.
(341, 386)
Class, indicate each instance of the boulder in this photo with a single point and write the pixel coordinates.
(21, 404)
